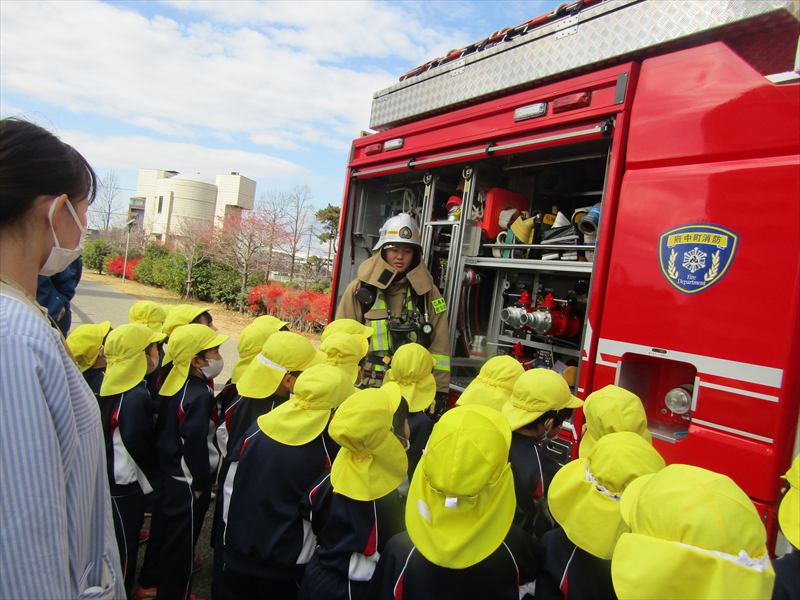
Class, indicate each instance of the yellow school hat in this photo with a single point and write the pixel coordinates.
(584, 495)
(461, 500)
(184, 343)
(350, 326)
(371, 462)
(274, 321)
(249, 345)
(694, 534)
(412, 370)
(789, 511)
(494, 384)
(302, 419)
(147, 313)
(85, 343)
(609, 410)
(536, 392)
(282, 353)
(345, 351)
(181, 315)
(127, 362)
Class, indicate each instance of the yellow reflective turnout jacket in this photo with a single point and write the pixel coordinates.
(379, 273)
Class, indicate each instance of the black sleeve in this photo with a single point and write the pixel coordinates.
(529, 555)
(198, 403)
(547, 585)
(135, 418)
(390, 567)
(420, 426)
(315, 505)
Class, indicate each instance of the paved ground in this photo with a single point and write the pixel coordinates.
(95, 303)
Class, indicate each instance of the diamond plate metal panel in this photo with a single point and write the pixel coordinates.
(608, 32)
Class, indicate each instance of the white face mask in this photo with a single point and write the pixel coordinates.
(213, 369)
(60, 258)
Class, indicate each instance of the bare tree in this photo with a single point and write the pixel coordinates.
(107, 204)
(244, 236)
(301, 221)
(276, 207)
(194, 243)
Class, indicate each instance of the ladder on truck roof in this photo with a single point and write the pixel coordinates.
(585, 35)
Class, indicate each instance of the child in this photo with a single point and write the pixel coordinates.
(608, 410)
(345, 351)
(267, 543)
(248, 345)
(412, 369)
(694, 534)
(461, 542)
(127, 414)
(365, 509)
(149, 314)
(350, 326)
(86, 345)
(187, 450)
(275, 322)
(787, 568)
(584, 499)
(540, 402)
(178, 316)
(269, 379)
(153, 316)
(494, 384)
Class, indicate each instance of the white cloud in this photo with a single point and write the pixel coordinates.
(182, 80)
(121, 152)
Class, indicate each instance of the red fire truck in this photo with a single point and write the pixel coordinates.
(614, 186)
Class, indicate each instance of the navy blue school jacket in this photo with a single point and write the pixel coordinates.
(351, 535)
(131, 453)
(787, 577)
(420, 427)
(94, 378)
(265, 535)
(533, 471)
(244, 411)
(571, 572)
(506, 574)
(186, 438)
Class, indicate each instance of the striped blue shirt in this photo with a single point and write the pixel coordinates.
(56, 532)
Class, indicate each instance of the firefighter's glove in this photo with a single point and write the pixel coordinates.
(439, 405)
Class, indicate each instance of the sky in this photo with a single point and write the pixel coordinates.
(273, 90)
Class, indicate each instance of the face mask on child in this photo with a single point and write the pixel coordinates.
(214, 368)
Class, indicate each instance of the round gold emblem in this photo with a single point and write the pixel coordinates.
(405, 233)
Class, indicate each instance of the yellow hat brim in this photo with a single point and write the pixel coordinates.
(241, 366)
(481, 394)
(259, 380)
(175, 380)
(349, 369)
(789, 516)
(125, 375)
(588, 442)
(591, 520)
(459, 537)
(86, 354)
(370, 477)
(294, 426)
(419, 395)
(648, 568)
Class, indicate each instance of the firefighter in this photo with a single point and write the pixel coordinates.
(396, 296)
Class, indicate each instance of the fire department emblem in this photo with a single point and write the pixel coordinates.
(405, 233)
(695, 257)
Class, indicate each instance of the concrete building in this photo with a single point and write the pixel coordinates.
(178, 203)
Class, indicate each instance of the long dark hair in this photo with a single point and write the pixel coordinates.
(34, 162)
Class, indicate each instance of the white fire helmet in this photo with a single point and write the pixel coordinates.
(399, 229)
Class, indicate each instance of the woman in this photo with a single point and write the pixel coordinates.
(58, 535)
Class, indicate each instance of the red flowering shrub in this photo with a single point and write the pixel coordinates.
(303, 310)
(115, 266)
